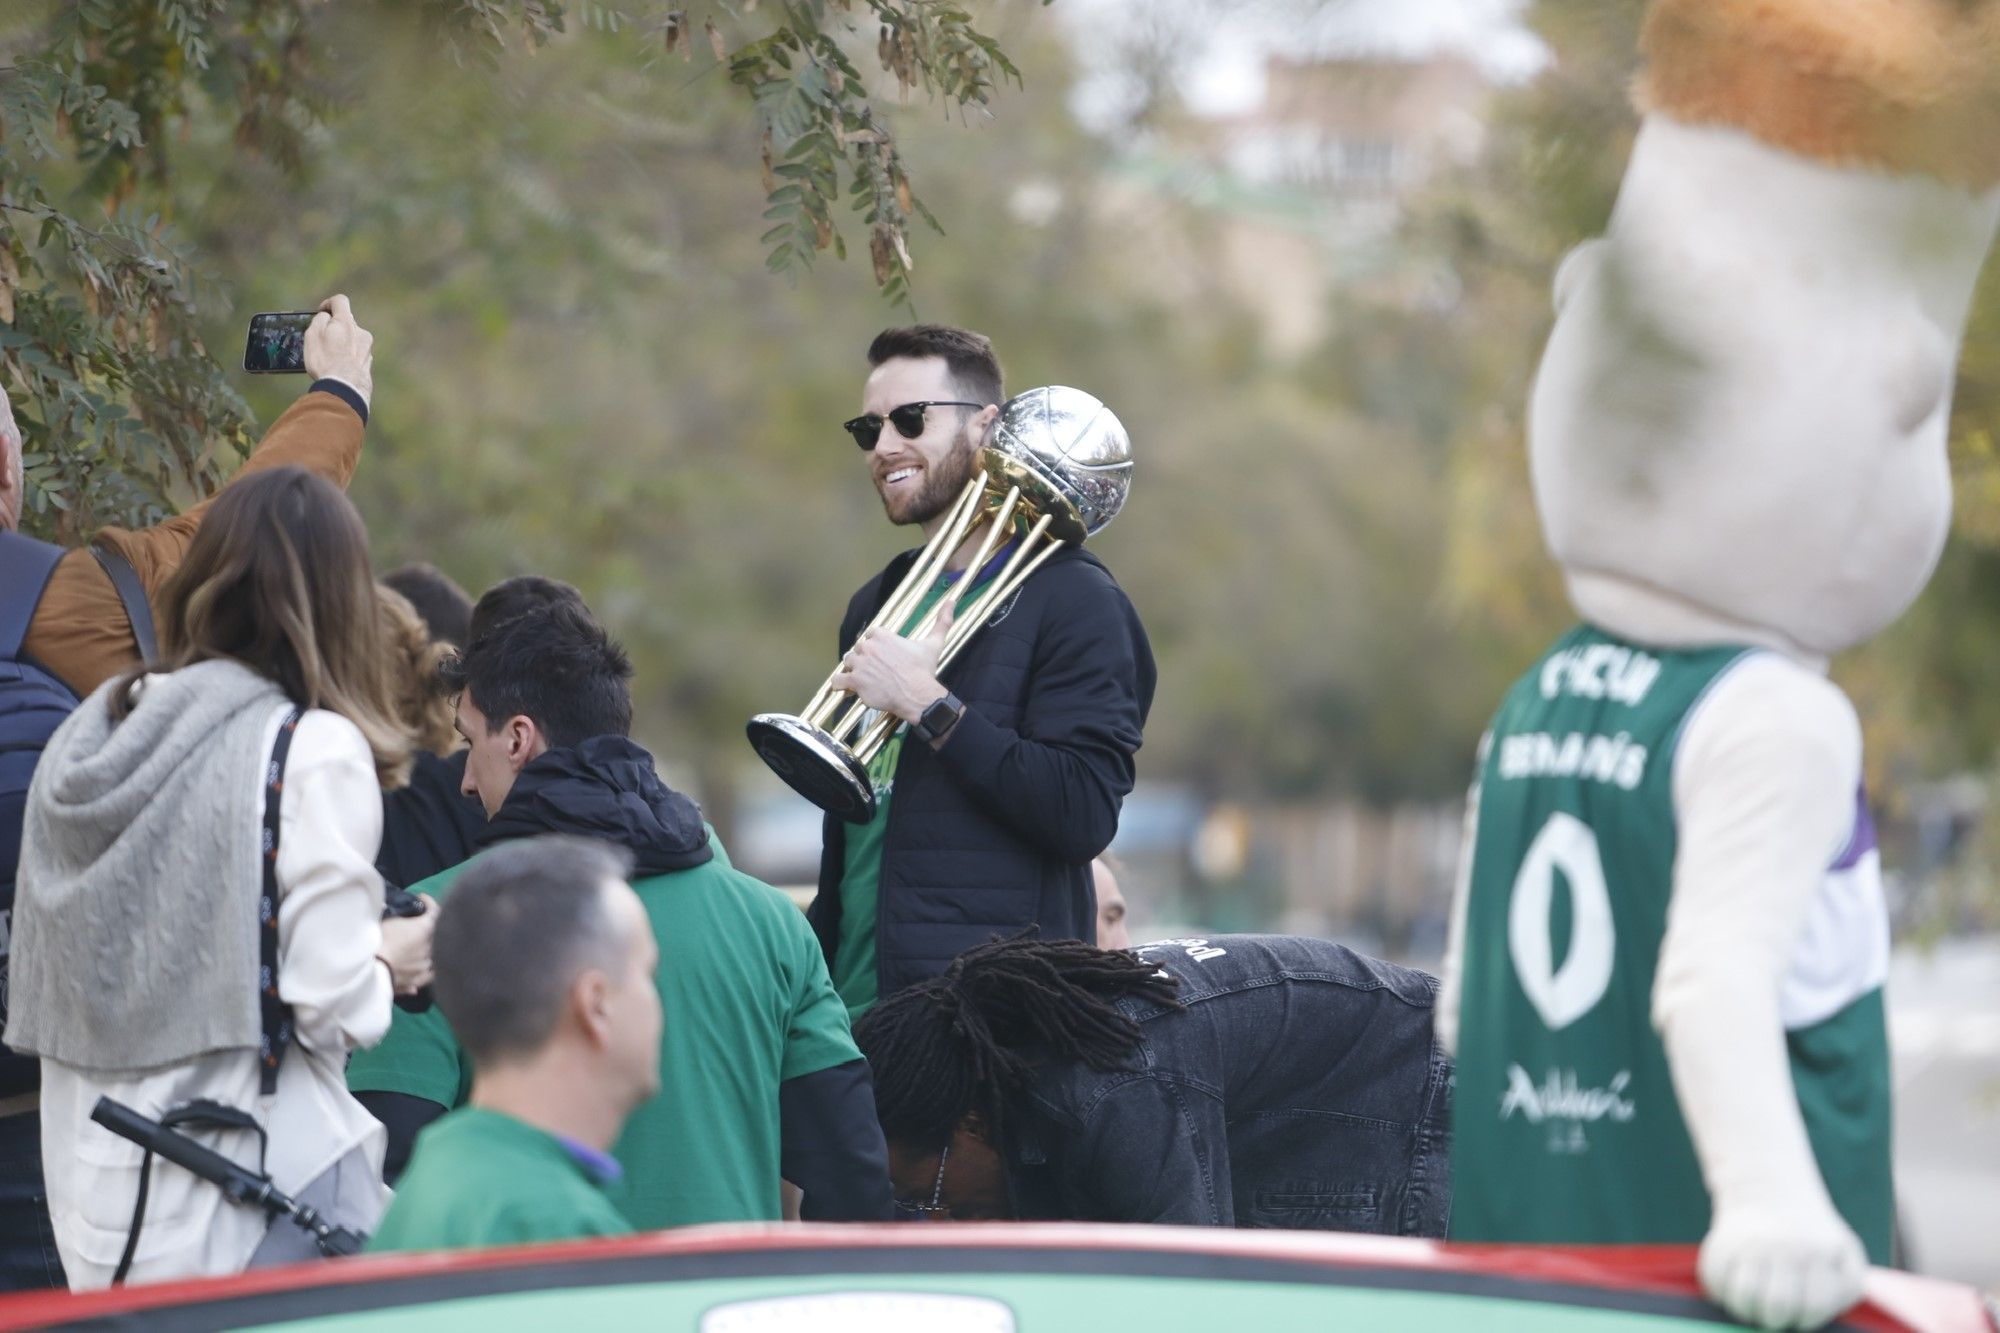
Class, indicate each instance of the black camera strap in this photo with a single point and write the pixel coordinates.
(277, 1015)
(202, 1114)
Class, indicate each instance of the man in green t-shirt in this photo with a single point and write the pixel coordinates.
(760, 1078)
(546, 973)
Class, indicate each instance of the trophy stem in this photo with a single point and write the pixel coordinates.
(986, 545)
(865, 748)
(1020, 567)
(931, 563)
(872, 740)
(1003, 519)
(821, 713)
(849, 722)
(938, 548)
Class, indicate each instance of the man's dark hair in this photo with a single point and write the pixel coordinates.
(968, 1042)
(521, 922)
(553, 663)
(510, 597)
(974, 367)
(443, 605)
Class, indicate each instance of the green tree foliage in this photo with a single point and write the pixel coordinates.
(101, 101)
(583, 369)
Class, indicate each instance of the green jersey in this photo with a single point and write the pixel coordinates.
(747, 1004)
(478, 1178)
(1566, 1126)
(861, 867)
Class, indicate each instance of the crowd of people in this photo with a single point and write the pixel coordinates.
(368, 887)
(372, 891)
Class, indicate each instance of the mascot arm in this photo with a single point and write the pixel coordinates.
(1764, 787)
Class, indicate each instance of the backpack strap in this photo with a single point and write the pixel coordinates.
(26, 566)
(277, 1015)
(132, 593)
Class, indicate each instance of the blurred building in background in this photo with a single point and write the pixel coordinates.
(1307, 189)
(1359, 133)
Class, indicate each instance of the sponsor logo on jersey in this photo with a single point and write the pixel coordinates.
(1564, 1104)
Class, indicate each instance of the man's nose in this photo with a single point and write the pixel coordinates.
(466, 786)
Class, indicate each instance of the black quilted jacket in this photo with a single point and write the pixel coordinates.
(995, 831)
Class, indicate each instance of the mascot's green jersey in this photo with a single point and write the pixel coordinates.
(1566, 1127)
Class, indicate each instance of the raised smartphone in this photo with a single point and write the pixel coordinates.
(277, 342)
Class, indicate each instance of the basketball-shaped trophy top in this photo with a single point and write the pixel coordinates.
(1068, 453)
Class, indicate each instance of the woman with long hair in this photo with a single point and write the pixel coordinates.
(162, 955)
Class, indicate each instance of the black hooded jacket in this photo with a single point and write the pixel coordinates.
(994, 830)
(607, 788)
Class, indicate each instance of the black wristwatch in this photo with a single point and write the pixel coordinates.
(938, 719)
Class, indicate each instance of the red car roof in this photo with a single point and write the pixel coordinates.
(1895, 1301)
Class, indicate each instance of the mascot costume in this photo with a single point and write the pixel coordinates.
(1664, 983)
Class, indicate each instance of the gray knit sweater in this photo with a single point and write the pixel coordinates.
(135, 916)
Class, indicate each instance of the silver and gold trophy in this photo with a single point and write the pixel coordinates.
(1059, 465)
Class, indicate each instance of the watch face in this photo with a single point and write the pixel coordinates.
(937, 719)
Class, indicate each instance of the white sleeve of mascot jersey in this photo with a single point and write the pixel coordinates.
(1765, 777)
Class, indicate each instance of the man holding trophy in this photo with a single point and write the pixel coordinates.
(977, 740)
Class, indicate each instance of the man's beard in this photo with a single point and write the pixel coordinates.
(942, 484)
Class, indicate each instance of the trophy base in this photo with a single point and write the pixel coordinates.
(814, 765)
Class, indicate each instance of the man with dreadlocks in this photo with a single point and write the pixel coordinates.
(1243, 1080)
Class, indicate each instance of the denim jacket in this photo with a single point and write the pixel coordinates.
(1300, 1086)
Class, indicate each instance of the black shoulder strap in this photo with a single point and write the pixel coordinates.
(133, 594)
(202, 1114)
(26, 566)
(277, 1015)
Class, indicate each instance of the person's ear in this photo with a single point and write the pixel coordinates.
(524, 741)
(982, 422)
(590, 999)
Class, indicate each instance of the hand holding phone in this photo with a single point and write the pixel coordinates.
(323, 343)
(277, 342)
(338, 347)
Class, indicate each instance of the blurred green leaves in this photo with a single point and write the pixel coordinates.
(125, 411)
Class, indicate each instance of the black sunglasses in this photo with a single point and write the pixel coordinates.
(907, 419)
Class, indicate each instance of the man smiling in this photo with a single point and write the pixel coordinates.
(1008, 781)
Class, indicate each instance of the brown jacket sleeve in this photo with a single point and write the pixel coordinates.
(80, 631)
